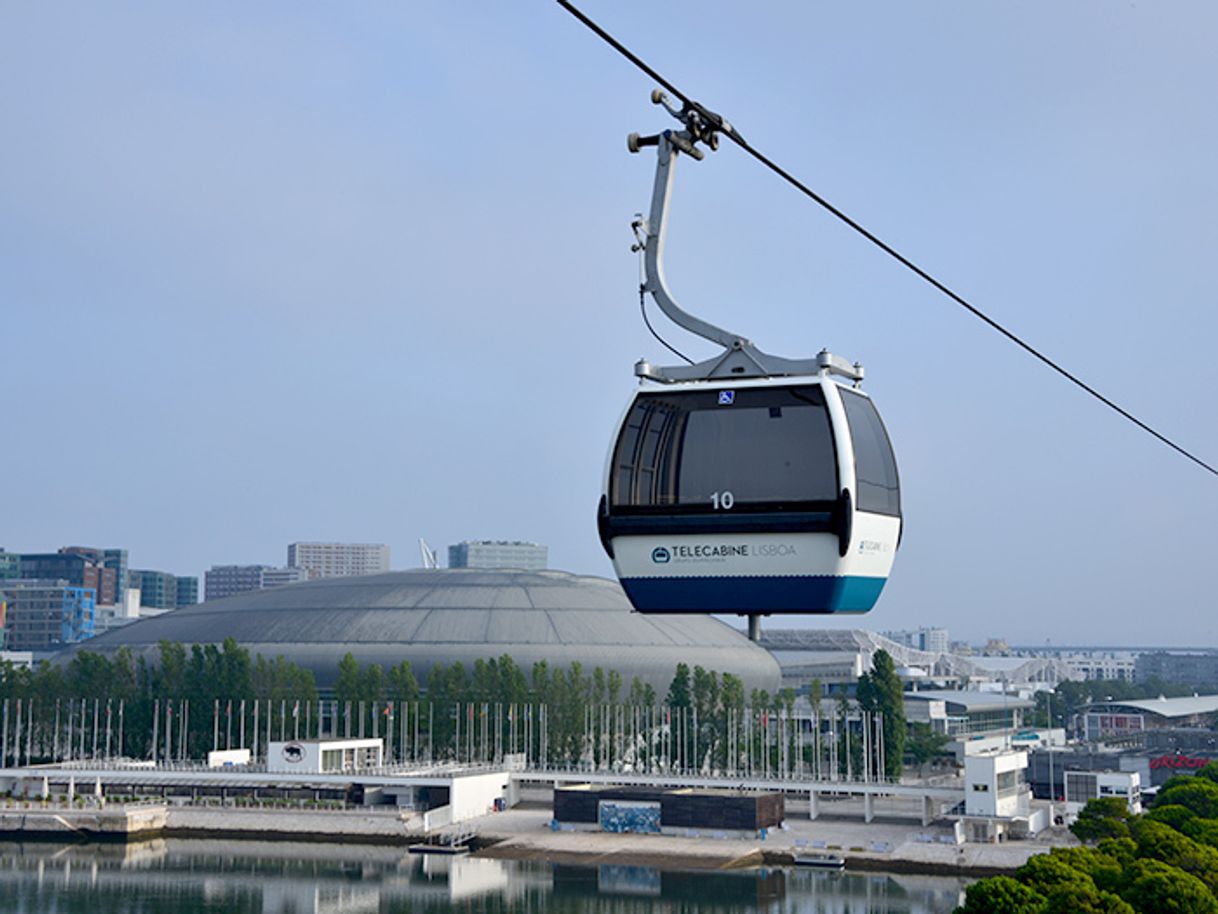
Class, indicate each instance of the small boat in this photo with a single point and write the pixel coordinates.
(820, 861)
(447, 849)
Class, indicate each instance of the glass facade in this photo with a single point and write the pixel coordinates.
(703, 451)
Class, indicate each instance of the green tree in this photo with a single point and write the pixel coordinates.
(1153, 886)
(1084, 898)
(615, 687)
(1198, 794)
(1045, 872)
(679, 691)
(1209, 771)
(402, 684)
(1001, 895)
(880, 691)
(347, 686)
(1106, 817)
(1157, 841)
(372, 683)
(923, 744)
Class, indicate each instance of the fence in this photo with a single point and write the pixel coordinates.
(729, 742)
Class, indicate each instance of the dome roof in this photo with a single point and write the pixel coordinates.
(446, 615)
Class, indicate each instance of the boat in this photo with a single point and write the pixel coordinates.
(821, 861)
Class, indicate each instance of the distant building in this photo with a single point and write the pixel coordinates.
(339, 560)
(161, 590)
(10, 565)
(966, 713)
(1196, 670)
(42, 615)
(498, 554)
(1081, 787)
(1114, 720)
(1103, 665)
(222, 581)
(115, 561)
(84, 568)
(932, 640)
(188, 592)
(278, 577)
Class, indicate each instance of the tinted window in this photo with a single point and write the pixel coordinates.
(768, 447)
(874, 464)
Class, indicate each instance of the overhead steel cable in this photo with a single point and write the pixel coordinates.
(892, 252)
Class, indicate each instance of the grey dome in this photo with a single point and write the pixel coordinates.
(442, 616)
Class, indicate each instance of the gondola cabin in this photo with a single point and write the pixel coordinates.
(753, 496)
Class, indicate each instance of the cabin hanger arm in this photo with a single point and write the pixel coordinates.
(741, 358)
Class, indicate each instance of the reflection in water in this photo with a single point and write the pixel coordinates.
(169, 876)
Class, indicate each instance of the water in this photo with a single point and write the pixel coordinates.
(175, 876)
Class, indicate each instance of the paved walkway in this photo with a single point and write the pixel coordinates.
(524, 833)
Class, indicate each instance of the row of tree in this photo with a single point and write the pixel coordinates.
(192, 699)
(1163, 860)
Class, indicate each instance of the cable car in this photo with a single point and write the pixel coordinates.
(748, 483)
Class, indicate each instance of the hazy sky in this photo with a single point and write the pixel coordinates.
(283, 272)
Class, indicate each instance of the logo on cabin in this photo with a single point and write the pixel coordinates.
(660, 555)
(293, 752)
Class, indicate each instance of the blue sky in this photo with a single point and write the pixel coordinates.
(362, 273)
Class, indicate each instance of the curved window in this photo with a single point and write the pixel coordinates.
(875, 467)
(768, 448)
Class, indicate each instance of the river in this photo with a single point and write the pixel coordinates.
(175, 876)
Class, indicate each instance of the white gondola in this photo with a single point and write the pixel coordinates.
(749, 483)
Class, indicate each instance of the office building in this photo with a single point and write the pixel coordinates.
(932, 640)
(113, 582)
(84, 567)
(1197, 670)
(222, 581)
(44, 615)
(10, 566)
(188, 592)
(339, 560)
(498, 554)
(157, 589)
(278, 577)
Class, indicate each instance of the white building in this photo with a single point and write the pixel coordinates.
(1084, 786)
(498, 554)
(327, 756)
(339, 560)
(997, 798)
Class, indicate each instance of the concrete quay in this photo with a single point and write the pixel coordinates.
(882, 845)
(139, 821)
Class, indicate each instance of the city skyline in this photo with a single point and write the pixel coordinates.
(369, 280)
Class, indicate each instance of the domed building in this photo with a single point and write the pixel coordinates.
(442, 616)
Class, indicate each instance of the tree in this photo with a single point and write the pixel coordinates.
(346, 687)
(1046, 872)
(1209, 771)
(1198, 794)
(1084, 898)
(923, 744)
(1001, 895)
(1157, 841)
(880, 691)
(1157, 887)
(679, 695)
(402, 684)
(1105, 817)
(372, 683)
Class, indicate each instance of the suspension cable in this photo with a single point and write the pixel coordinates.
(736, 138)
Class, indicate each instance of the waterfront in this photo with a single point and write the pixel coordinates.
(170, 875)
